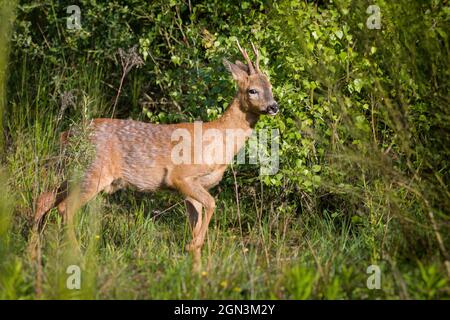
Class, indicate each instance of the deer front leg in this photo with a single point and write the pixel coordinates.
(194, 210)
(194, 190)
(200, 239)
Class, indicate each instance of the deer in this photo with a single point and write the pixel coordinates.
(140, 154)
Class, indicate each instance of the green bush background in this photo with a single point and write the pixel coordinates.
(364, 147)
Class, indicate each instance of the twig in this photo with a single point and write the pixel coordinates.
(165, 210)
(128, 60)
(435, 227)
(398, 277)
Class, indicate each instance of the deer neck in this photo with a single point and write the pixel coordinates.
(236, 118)
(237, 126)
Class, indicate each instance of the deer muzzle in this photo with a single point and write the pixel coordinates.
(272, 109)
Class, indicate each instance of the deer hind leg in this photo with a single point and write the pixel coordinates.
(47, 201)
(44, 203)
(194, 210)
(93, 182)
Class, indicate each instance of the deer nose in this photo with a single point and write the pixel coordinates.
(273, 109)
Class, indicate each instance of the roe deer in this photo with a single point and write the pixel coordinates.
(140, 154)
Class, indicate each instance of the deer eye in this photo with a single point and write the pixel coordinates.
(252, 91)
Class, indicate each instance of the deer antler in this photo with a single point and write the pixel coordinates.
(257, 56)
(245, 55)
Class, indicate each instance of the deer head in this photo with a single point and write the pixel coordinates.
(255, 91)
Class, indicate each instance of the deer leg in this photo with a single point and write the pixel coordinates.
(194, 190)
(204, 228)
(47, 201)
(92, 184)
(194, 210)
(44, 203)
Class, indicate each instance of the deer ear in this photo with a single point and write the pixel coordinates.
(236, 71)
(242, 65)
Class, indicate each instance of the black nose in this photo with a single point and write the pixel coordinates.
(273, 109)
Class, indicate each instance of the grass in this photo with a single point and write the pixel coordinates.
(132, 251)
